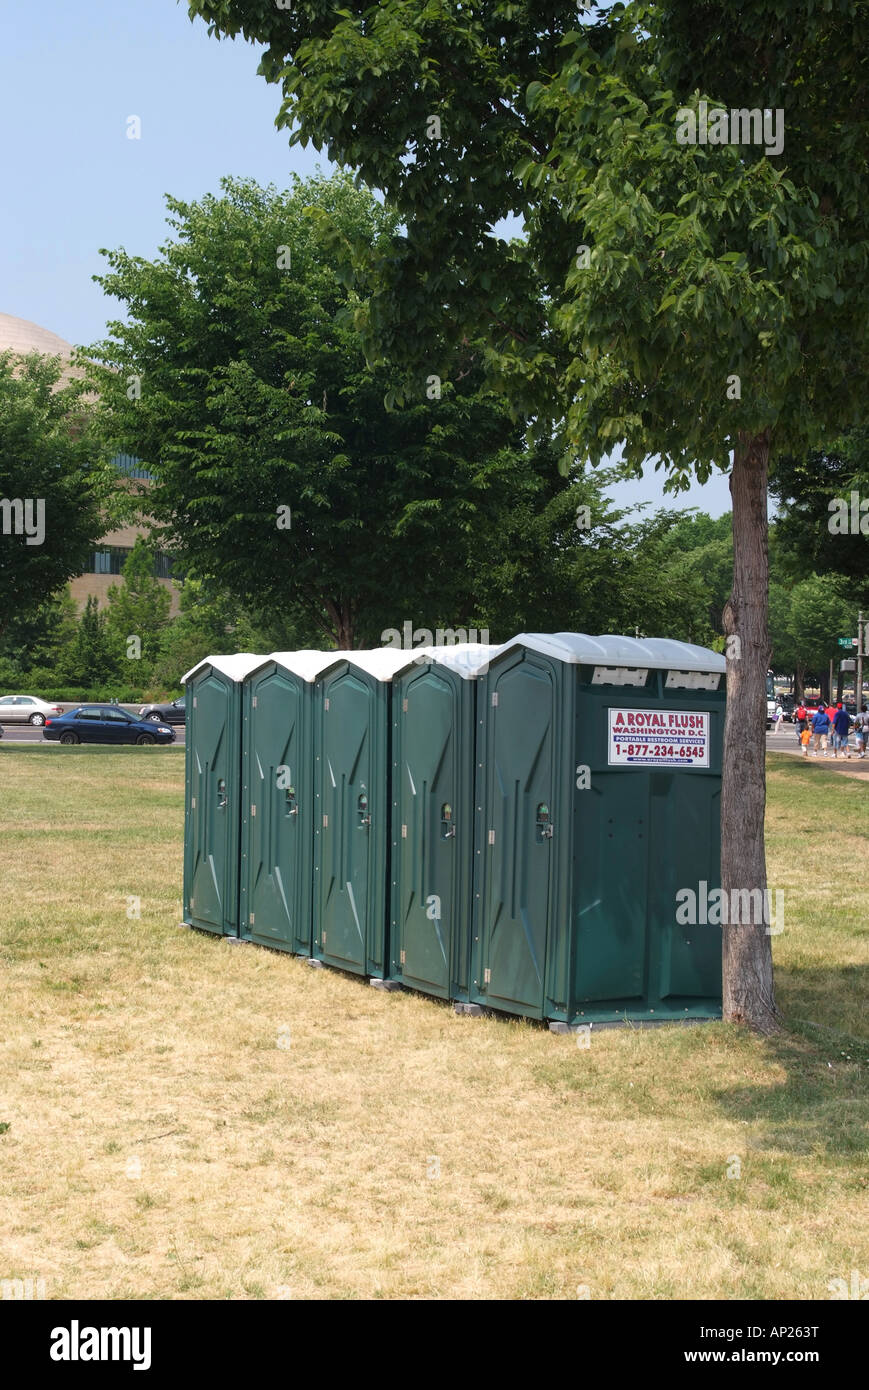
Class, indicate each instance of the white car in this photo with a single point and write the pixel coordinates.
(26, 709)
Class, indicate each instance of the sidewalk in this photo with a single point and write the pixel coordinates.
(786, 742)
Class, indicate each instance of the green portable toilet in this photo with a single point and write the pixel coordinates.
(212, 790)
(277, 805)
(432, 817)
(598, 795)
(351, 799)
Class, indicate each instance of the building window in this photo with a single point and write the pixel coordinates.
(131, 467)
(112, 558)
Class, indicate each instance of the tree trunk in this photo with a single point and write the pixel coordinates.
(746, 947)
(346, 625)
(340, 615)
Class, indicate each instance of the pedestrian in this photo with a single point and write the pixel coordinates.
(841, 731)
(805, 739)
(861, 731)
(820, 729)
(777, 718)
(801, 722)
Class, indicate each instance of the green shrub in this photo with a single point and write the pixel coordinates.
(80, 695)
(9, 676)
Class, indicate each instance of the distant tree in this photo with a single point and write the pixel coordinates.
(210, 623)
(823, 518)
(694, 558)
(787, 656)
(562, 557)
(54, 482)
(281, 473)
(137, 614)
(91, 659)
(43, 637)
(805, 621)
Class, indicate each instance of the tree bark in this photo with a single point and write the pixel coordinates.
(747, 947)
(343, 624)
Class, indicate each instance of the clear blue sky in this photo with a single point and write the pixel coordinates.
(71, 73)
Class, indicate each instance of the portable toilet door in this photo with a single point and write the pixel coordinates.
(212, 782)
(523, 781)
(649, 730)
(600, 793)
(351, 801)
(432, 820)
(277, 823)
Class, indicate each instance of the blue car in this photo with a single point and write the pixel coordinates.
(104, 724)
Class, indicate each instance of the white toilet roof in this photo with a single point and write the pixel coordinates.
(307, 662)
(236, 667)
(609, 649)
(467, 659)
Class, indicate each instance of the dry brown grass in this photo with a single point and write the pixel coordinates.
(162, 1144)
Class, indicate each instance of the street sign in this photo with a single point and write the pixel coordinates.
(848, 641)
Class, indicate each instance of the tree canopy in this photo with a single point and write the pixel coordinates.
(805, 621)
(705, 261)
(138, 610)
(240, 380)
(823, 522)
(54, 482)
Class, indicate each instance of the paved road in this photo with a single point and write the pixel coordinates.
(783, 742)
(786, 742)
(24, 734)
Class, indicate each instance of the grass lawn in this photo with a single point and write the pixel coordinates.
(184, 1118)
